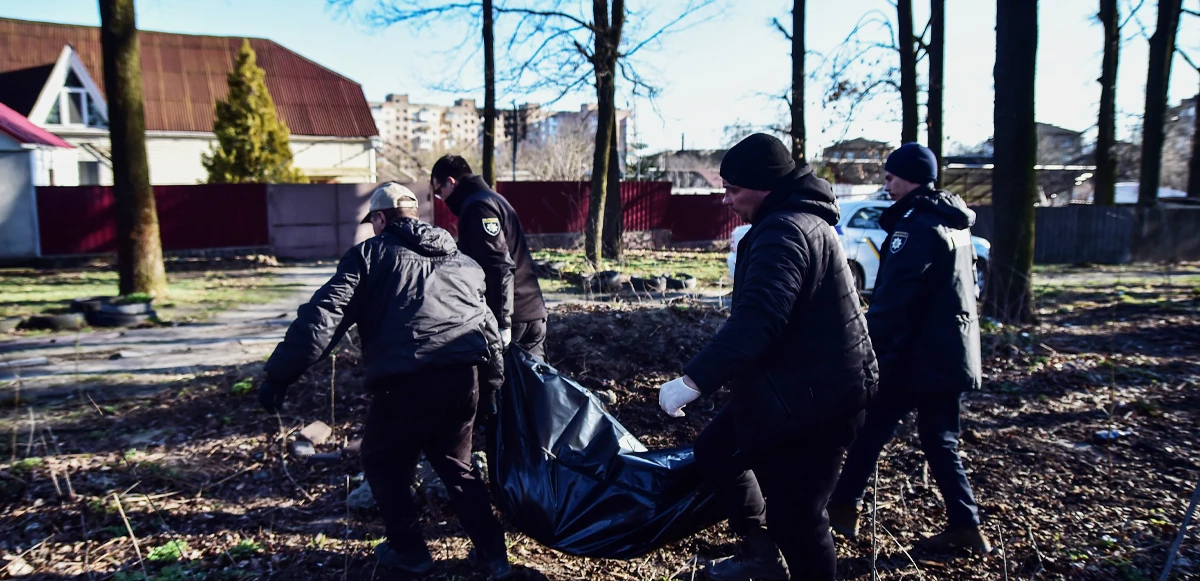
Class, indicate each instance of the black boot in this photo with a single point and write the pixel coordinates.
(756, 558)
(414, 561)
(497, 569)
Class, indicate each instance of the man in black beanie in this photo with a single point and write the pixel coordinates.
(797, 358)
(925, 329)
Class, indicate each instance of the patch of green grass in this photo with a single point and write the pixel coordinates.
(709, 268)
(246, 549)
(171, 552)
(191, 296)
(25, 466)
(243, 387)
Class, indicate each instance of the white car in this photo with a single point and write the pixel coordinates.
(862, 238)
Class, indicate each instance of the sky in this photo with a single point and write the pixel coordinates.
(719, 69)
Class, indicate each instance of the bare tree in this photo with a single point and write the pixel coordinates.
(1009, 290)
(561, 152)
(937, 70)
(1193, 188)
(908, 71)
(1162, 52)
(421, 13)
(860, 68)
(569, 50)
(796, 98)
(1106, 163)
(139, 249)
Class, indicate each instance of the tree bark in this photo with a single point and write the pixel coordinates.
(799, 135)
(1106, 136)
(908, 71)
(604, 61)
(937, 70)
(139, 250)
(614, 226)
(489, 96)
(1162, 52)
(1193, 190)
(1014, 183)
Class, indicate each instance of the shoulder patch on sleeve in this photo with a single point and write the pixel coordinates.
(898, 240)
(491, 226)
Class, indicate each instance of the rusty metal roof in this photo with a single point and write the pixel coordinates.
(184, 75)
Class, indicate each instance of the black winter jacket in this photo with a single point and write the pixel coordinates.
(417, 301)
(923, 318)
(490, 232)
(795, 351)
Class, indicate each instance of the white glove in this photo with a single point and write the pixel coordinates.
(675, 394)
(506, 337)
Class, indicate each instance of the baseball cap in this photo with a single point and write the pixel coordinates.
(388, 196)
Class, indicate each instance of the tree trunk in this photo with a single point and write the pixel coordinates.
(614, 227)
(798, 52)
(1158, 78)
(139, 250)
(1106, 136)
(908, 71)
(604, 62)
(1193, 190)
(937, 69)
(489, 96)
(1014, 183)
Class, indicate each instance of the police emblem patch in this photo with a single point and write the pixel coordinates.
(898, 240)
(491, 226)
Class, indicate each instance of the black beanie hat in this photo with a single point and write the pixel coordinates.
(757, 162)
(913, 162)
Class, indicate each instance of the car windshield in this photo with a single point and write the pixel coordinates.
(867, 218)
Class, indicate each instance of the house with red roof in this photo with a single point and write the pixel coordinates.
(26, 151)
(52, 75)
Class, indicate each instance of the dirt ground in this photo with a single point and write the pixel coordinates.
(198, 474)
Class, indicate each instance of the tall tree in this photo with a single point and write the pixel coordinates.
(1014, 183)
(567, 50)
(1158, 78)
(489, 94)
(252, 142)
(139, 249)
(797, 130)
(1106, 136)
(1193, 190)
(937, 70)
(614, 226)
(908, 71)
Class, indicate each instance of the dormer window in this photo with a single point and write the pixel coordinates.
(75, 107)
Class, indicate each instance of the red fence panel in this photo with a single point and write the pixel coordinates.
(82, 220)
(701, 217)
(561, 207)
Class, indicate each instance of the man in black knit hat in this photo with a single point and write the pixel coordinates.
(925, 329)
(797, 358)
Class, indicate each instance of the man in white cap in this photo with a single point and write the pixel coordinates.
(425, 328)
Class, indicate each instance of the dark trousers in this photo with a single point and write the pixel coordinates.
(531, 336)
(937, 425)
(432, 412)
(797, 478)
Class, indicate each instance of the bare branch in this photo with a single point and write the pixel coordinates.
(1187, 58)
(546, 14)
(781, 29)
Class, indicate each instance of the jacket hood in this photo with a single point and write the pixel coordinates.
(465, 188)
(803, 192)
(949, 208)
(423, 238)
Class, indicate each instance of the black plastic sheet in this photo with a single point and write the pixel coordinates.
(566, 473)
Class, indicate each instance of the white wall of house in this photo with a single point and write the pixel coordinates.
(18, 206)
(175, 158)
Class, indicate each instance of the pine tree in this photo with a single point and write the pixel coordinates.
(252, 142)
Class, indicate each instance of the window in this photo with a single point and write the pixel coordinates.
(866, 218)
(75, 106)
(89, 173)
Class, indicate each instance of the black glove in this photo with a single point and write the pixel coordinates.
(489, 406)
(270, 395)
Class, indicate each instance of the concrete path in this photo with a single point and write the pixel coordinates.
(120, 363)
(114, 363)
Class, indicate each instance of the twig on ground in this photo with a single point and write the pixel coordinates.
(1003, 550)
(346, 537)
(228, 478)
(58, 452)
(132, 536)
(283, 459)
(87, 546)
(874, 524)
(1036, 551)
(1187, 519)
(32, 426)
(905, 551)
